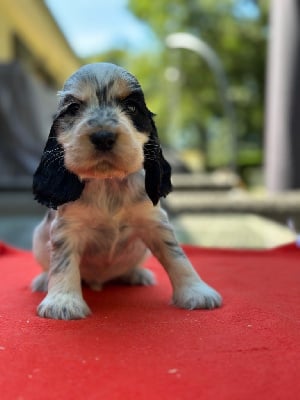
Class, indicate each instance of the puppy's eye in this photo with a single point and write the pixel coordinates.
(131, 108)
(73, 109)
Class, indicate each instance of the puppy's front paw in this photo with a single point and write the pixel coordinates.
(197, 295)
(63, 306)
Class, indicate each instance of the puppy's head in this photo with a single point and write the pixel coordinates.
(102, 130)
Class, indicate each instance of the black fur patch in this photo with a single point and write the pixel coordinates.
(54, 185)
(158, 170)
(102, 93)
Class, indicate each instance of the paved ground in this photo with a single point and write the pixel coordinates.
(231, 230)
(17, 231)
(19, 214)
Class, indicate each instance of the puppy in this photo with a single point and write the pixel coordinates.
(102, 173)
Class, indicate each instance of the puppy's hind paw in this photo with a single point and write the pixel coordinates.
(197, 295)
(63, 306)
(40, 283)
(139, 276)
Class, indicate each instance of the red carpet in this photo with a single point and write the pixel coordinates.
(136, 346)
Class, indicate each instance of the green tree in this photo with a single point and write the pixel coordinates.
(190, 105)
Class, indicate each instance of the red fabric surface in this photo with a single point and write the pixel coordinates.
(137, 346)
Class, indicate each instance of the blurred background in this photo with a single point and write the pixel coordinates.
(222, 77)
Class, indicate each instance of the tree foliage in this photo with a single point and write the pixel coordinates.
(237, 31)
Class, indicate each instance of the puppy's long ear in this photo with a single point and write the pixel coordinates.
(158, 170)
(53, 185)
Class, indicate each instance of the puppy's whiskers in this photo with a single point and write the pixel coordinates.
(53, 158)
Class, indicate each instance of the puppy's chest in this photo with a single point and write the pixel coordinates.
(111, 249)
(110, 223)
(107, 236)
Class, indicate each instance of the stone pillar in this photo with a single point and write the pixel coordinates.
(282, 130)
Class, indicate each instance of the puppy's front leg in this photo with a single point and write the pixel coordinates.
(64, 299)
(189, 290)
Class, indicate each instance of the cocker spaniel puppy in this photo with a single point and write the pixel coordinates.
(102, 173)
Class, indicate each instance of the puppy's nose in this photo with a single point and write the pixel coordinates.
(103, 140)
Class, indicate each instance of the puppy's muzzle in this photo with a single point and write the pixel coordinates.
(103, 140)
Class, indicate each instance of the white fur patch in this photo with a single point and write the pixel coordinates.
(63, 306)
(196, 295)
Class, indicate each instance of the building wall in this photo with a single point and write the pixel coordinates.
(28, 24)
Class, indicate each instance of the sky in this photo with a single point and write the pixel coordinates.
(95, 26)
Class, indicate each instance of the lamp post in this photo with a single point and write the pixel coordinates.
(183, 40)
